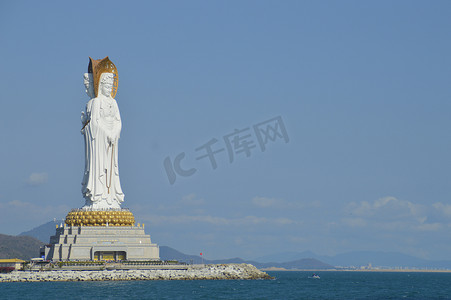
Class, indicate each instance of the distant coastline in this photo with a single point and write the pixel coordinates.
(358, 270)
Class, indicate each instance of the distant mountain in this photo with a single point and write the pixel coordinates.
(286, 256)
(292, 260)
(385, 259)
(288, 260)
(299, 264)
(44, 231)
(23, 247)
(168, 253)
(363, 258)
(305, 263)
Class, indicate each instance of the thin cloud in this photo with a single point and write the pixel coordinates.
(386, 207)
(393, 214)
(443, 208)
(265, 202)
(29, 208)
(430, 227)
(354, 222)
(191, 200)
(21, 204)
(212, 220)
(23, 212)
(38, 178)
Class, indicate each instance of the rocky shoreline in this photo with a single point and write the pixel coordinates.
(193, 272)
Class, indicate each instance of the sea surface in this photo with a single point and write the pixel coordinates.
(286, 285)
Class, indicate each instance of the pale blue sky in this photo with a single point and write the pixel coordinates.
(363, 88)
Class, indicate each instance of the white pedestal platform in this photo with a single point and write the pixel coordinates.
(101, 243)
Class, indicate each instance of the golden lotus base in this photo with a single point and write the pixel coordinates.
(100, 218)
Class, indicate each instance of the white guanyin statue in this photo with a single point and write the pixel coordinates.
(102, 124)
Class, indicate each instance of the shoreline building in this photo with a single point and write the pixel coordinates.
(8, 265)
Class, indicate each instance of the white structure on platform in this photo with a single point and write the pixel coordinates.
(101, 186)
(101, 243)
(101, 229)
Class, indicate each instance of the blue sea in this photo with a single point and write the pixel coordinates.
(286, 285)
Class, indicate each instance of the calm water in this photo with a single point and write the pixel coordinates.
(287, 285)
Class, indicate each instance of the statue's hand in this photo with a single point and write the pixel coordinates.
(110, 140)
(83, 117)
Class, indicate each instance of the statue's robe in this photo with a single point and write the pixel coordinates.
(101, 186)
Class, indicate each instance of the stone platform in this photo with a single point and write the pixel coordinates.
(101, 243)
(192, 272)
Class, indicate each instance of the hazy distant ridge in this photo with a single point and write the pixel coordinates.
(23, 247)
(167, 253)
(361, 258)
(288, 260)
(44, 231)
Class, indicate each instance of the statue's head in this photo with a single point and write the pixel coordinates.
(89, 84)
(106, 84)
(98, 67)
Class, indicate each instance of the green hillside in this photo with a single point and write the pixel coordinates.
(23, 247)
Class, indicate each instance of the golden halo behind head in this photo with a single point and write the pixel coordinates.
(99, 66)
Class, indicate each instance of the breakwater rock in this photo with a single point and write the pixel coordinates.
(193, 272)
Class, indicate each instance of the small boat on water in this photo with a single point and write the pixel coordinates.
(315, 276)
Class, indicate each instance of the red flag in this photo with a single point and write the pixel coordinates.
(201, 253)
